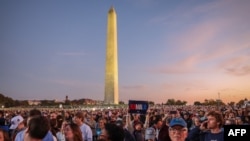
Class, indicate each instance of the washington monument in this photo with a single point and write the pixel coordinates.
(111, 74)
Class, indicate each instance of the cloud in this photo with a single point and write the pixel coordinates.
(185, 65)
(243, 70)
(197, 37)
(236, 65)
(235, 61)
(224, 90)
(207, 43)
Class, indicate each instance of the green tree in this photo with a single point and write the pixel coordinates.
(241, 102)
(151, 103)
(197, 103)
(170, 102)
(175, 102)
(231, 103)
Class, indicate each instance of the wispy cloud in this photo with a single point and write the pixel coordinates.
(212, 41)
(197, 37)
(242, 70)
(185, 65)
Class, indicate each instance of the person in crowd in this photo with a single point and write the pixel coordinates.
(240, 113)
(214, 125)
(150, 134)
(246, 120)
(37, 129)
(112, 117)
(59, 121)
(85, 129)
(60, 135)
(53, 126)
(100, 126)
(3, 122)
(178, 129)
(90, 121)
(4, 136)
(2, 119)
(112, 132)
(194, 133)
(238, 121)
(173, 113)
(157, 125)
(17, 125)
(68, 117)
(164, 134)
(56, 127)
(138, 127)
(231, 115)
(128, 136)
(202, 115)
(136, 118)
(228, 122)
(34, 113)
(72, 132)
(188, 120)
(53, 115)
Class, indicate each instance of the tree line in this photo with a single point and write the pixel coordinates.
(9, 102)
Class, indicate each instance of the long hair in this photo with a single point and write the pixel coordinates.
(76, 132)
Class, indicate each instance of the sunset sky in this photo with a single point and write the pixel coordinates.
(187, 50)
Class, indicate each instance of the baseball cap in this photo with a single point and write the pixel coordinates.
(150, 133)
(15, 121)
(178, 121)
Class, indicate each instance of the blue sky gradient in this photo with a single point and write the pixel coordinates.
(187, 50)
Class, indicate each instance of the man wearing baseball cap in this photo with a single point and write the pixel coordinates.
(178, 129)
(150, 134)
(15, 122)
(17, 125)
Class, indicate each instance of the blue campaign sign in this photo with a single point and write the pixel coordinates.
(140, 107)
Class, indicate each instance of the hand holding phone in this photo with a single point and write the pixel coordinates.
(203, 125)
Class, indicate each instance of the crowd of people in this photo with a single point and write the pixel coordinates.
(165, 123)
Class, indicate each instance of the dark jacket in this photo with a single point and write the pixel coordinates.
(128, 136)
(194, 134)
(138, 135)
(164, 134)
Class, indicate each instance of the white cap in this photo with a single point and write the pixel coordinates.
(150, 133)
(15, 121)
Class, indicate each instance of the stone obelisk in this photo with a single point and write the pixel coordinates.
(111, 74)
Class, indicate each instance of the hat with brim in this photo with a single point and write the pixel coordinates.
(178, 121)
(150, 133)
(15, 121)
